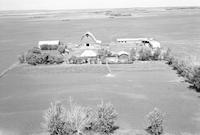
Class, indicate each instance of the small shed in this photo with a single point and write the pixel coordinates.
(49, 45)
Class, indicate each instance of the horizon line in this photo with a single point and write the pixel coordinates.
(100, 8)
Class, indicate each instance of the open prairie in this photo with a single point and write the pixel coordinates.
(25, 92)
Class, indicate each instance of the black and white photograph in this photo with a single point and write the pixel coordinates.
(99, 67)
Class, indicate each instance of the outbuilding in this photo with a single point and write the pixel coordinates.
(149, 42)
(123, 57)
(49, 45)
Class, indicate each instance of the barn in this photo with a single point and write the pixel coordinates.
(88, 41)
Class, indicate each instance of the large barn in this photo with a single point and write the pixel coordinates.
(88, 41)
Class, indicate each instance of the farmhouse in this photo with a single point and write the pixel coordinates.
(49, 45)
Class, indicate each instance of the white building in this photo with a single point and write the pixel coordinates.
(149, 42)
(88, 41)
(50, 43)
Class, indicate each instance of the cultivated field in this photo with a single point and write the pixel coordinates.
(25, 92)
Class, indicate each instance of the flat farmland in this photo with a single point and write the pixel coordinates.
(134, 90)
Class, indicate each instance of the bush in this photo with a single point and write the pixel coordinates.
(155, 122)
(79, 120)
(49, 47)
(35, 56)
(59, 121)
(34, 59)
(59, 60)
(168, 54)
(145, 54)
(170, 60)
(61, 49)
(22, 58)
(156, 54)
(104, 53)
(195, 78)
(105, 118)
(133, 54)
(54, 119)
(35, 50)
(73, 60)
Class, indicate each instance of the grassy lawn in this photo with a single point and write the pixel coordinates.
(134, 90)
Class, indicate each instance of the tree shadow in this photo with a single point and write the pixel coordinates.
(192, 87)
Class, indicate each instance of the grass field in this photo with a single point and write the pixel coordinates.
(134, 90)
(25, 92)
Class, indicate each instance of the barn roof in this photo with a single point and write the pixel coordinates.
(89, 34)
(50, 42)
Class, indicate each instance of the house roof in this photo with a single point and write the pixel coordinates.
(133, 39)
(50, 42)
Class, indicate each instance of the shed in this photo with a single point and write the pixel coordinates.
(149, 42)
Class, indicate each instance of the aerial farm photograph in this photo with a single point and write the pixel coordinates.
(99, 67)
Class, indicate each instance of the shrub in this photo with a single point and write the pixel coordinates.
(54, 119)
(75, 120)
(73, 60)
(35, 50)
(170, 60)
(167, 54)
(133, 55)
(59, 60)
(34, 56)
(105, 118)
(34, 59)
(49, 47)
(79, 118)
(156, 54)
(80, 60)
(195, 78)
(61, 49)
(145, 54)
(155, 122)
(22, 58)
(104, 53)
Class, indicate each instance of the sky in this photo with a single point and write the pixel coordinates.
(90, 4)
